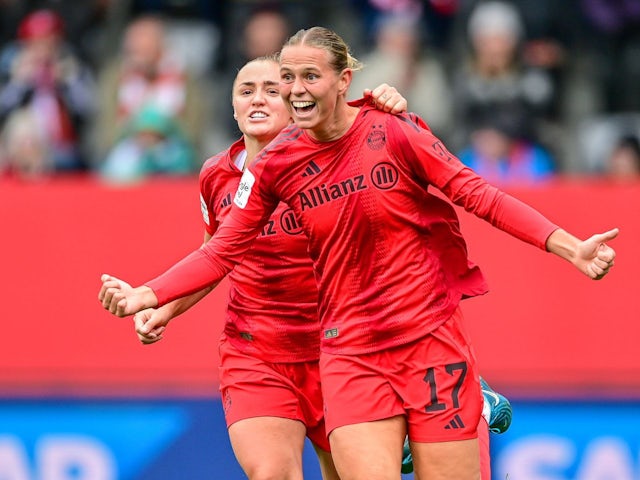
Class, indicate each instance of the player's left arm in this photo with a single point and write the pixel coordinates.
(437, 166)
(592, 256)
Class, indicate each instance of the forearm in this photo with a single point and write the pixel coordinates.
(208, 265)
(181, 305)
(563, 244)
(500, 209)
(194, 273)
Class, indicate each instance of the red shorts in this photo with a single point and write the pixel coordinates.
(252, 388)
(433, 382)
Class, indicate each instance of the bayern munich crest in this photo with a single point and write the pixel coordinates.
(376, 139)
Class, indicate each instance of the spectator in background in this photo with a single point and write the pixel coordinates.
(559, 42)
(152, 143)
(497, 153)
(192, 29)
(399, 60)
(598, 135)
(265, 32)
(623, 162)
(46, 99)
(85, 22)
(436, 18)
(616, 26)
(146, 75)
(494, 81)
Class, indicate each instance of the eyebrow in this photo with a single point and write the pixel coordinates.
(302, 71)
(252, 84)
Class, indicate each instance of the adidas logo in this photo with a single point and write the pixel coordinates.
(455, 423)
(226, 201)
(312, 169)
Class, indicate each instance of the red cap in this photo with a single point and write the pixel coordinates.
(40, 23)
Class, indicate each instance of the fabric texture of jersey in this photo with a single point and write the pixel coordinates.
(272, 304)
(388, 254)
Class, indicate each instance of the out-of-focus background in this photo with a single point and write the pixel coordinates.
(108, 109)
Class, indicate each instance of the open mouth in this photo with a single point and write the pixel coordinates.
(303, 107)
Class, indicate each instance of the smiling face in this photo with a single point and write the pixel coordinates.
(311, 89)
(258, 107)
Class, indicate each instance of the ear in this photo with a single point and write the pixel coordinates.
(235, 115)
(345, 81)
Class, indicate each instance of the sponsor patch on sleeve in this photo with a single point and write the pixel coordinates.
(244, 189)
(205, 210)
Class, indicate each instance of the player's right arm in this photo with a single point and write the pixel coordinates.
(151, 323)
(206, 266)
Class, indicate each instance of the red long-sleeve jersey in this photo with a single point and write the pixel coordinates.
(389, 257)
(272, 305)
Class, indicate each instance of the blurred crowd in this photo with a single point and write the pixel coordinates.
(520, 90)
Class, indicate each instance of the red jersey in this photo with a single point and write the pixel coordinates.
(389, 256)
(272, 307)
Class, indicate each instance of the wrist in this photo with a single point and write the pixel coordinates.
(562, 244)
(148, 296)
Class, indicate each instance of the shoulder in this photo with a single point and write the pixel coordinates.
(406, 127)
(214, 166)
(212, 163)
(289, 138)
(412, 120)
(370, 114)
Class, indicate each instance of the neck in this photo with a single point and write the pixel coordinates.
(253, 147)
(341, 121)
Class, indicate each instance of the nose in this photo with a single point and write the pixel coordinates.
(258, 97)
(297, 87)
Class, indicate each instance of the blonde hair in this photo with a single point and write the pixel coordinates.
(320, 37)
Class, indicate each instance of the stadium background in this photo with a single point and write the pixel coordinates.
(81, 399)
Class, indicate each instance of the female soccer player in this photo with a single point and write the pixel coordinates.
(271, 344)
(390, 262)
